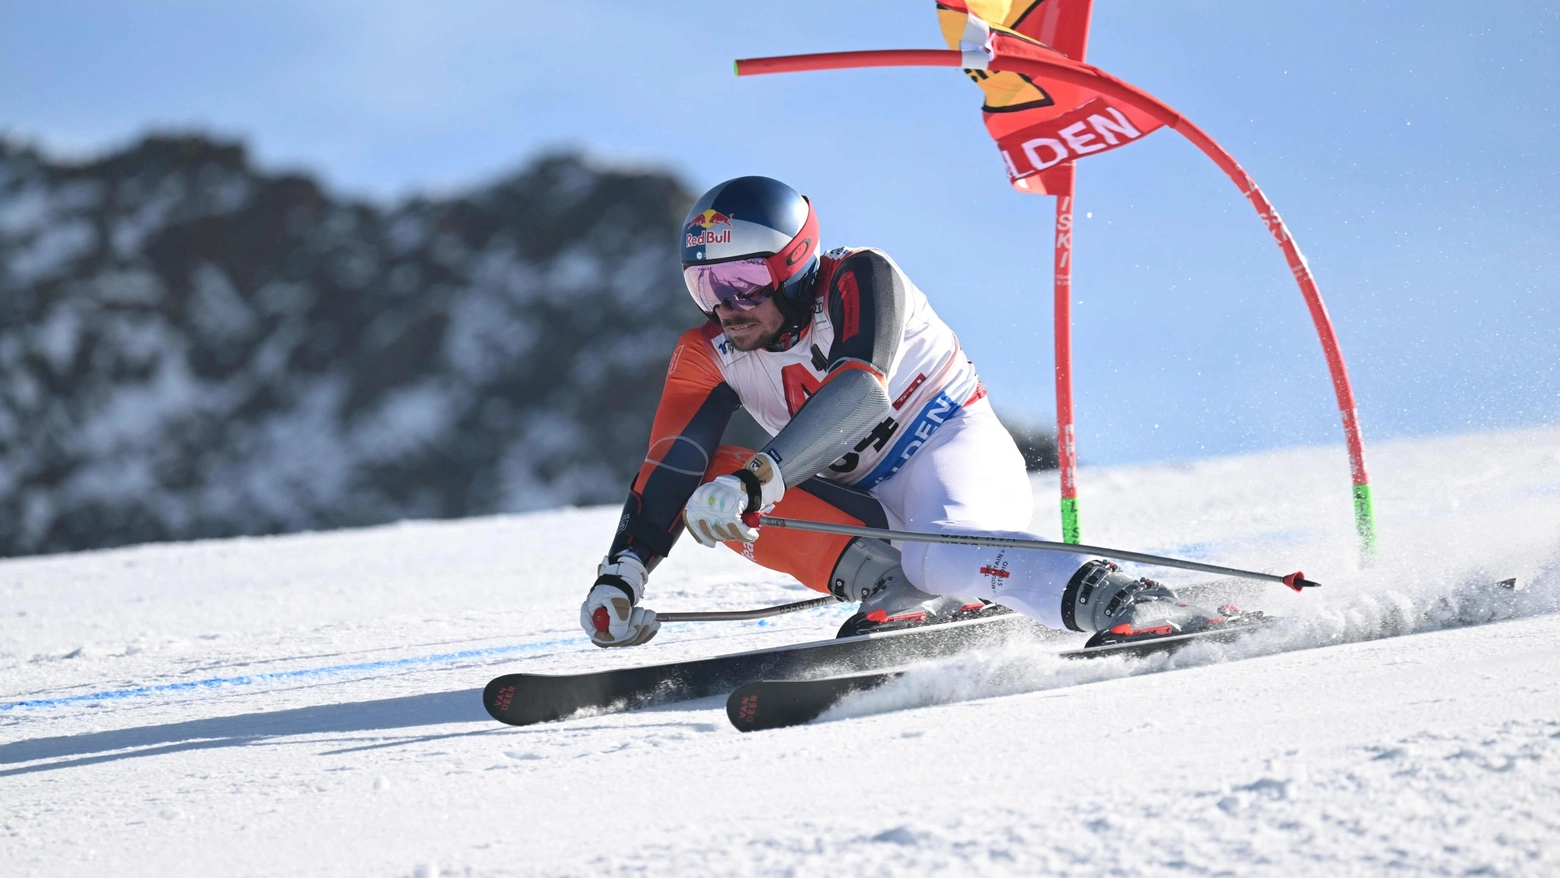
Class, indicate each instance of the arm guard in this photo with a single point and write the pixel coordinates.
(842, 411)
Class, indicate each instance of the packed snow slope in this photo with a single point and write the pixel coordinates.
(308, 705)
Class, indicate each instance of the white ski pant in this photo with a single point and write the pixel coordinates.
(969, 477)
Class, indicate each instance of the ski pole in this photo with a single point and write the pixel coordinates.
(1295, 580)
(744, 615)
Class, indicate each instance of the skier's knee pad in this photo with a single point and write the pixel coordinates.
(863, 568)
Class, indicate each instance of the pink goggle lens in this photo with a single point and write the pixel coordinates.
(743, 284)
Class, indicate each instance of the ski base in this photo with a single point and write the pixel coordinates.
(773, 704)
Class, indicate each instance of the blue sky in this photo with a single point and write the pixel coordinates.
(1411, 147)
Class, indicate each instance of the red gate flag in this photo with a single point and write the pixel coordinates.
(1038, 126)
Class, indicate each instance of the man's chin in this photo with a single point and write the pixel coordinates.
(750, 341)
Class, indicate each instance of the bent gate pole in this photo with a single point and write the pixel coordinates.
(1063, 70)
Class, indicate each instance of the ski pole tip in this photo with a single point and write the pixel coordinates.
(1298, 582)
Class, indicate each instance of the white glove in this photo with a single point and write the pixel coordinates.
(714, 512)
(608, 614)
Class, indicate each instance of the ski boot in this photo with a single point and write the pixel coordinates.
(869, 573)
(1116, 608)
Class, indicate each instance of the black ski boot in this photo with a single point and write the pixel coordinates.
(1116, 608)
(868, 572)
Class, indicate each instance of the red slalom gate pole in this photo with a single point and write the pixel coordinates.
(1093, 78)
(1066, 445)
(850, 60)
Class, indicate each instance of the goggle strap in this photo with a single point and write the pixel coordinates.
(793, 257)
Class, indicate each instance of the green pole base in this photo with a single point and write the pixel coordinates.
(1071, 533)
(1365, 521)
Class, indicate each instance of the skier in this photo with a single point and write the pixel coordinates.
(878, 419)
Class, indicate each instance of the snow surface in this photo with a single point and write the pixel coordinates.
(309, 705)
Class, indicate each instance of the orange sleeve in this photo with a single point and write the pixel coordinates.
(696, 405)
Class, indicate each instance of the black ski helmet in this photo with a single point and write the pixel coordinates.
(751, 217)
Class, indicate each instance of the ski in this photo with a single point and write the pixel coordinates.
(773, 704)
(524, 699)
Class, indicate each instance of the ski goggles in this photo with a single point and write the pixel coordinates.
(742, 284)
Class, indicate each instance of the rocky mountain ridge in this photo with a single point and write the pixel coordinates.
(192, 347)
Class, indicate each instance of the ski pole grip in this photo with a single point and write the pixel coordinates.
(1297, 581)
(600, 619)
(751, 519)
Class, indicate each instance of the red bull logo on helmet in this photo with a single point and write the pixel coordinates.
(709, 218)
(701, 229)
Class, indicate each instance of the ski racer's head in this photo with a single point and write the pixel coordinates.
(750, 256)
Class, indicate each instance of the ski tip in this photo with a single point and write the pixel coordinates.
(1298, 582)
(742, 708)
(497, 697)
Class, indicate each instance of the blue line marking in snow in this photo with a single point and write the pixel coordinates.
(302, 673)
